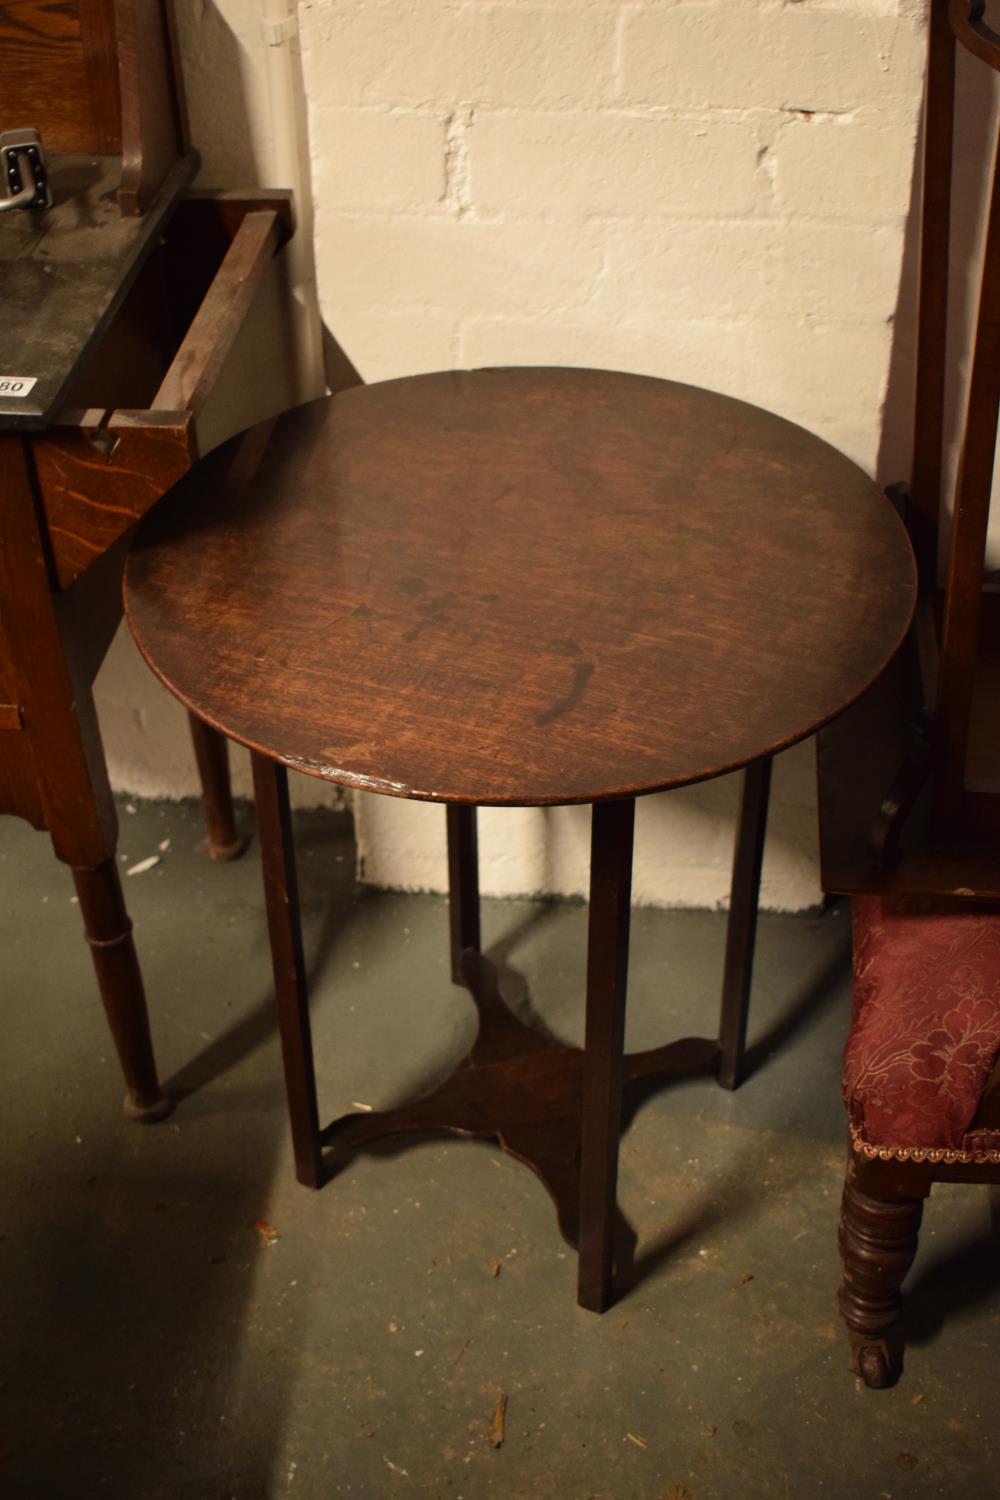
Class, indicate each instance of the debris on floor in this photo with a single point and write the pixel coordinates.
(268, 1234)
(498, 1422)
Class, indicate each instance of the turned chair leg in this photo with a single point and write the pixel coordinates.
(281, 892)
(612, 832)
(463, 885)
(109, 933)
(878, 1241)
(211, 751)
(741, 930)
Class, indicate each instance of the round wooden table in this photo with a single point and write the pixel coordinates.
(521, 587)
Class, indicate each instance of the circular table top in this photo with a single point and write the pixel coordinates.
(521, 586)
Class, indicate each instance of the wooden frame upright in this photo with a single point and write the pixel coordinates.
(122, 305)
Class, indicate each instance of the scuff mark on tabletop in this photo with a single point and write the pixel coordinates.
(582, 673)
(351, 778)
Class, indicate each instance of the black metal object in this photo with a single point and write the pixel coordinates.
(24, 172)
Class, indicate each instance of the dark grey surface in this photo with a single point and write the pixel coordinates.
(152, 1347)
(64, 272)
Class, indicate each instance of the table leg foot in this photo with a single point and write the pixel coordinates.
(211, 751)
(109, 933)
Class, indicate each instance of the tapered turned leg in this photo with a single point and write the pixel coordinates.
(878, 1240)
(211, 751)
(274, 828)
(463, 885)
(607, 979)
(109, 933)
(741, 930)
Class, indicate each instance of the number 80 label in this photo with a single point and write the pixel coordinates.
(17, 386)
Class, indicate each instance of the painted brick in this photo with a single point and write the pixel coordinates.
(755, 57)
(845, 171)
(610, 164)
(462, 266)
(683, 847)
(822, 376)
(675, 270)
(383, 343)
(838, 272)
(379, 160)
(409, 52)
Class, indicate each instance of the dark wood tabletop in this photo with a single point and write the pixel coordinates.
(521, 586)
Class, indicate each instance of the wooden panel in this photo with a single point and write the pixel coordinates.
(973, 486)
(100, 59)
(153, 127)
(64, 784)
(18, 783)
(96, 479)
(19, 793)
(982, 772)
(97, 472)
(59, 72)
(201, 356)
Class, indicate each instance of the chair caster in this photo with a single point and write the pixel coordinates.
(872, 1364)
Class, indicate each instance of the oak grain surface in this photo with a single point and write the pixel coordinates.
(521, 586)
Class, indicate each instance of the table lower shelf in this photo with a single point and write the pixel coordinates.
(523, 1088)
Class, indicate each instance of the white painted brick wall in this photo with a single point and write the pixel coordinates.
(841, 171)
(428, 53)
(712, 191)
(760, 57)
(580, 166)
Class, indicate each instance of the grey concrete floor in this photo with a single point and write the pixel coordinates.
(153, 1346)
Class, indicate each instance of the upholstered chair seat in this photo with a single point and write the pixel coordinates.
(922, 1088)
(925, 1029)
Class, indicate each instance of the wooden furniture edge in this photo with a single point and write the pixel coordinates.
(99, 471)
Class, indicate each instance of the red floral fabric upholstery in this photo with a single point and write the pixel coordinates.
(925, 1030)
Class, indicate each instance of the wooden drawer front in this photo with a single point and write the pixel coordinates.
(107, 462)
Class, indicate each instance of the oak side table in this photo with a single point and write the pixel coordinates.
(520, 587)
